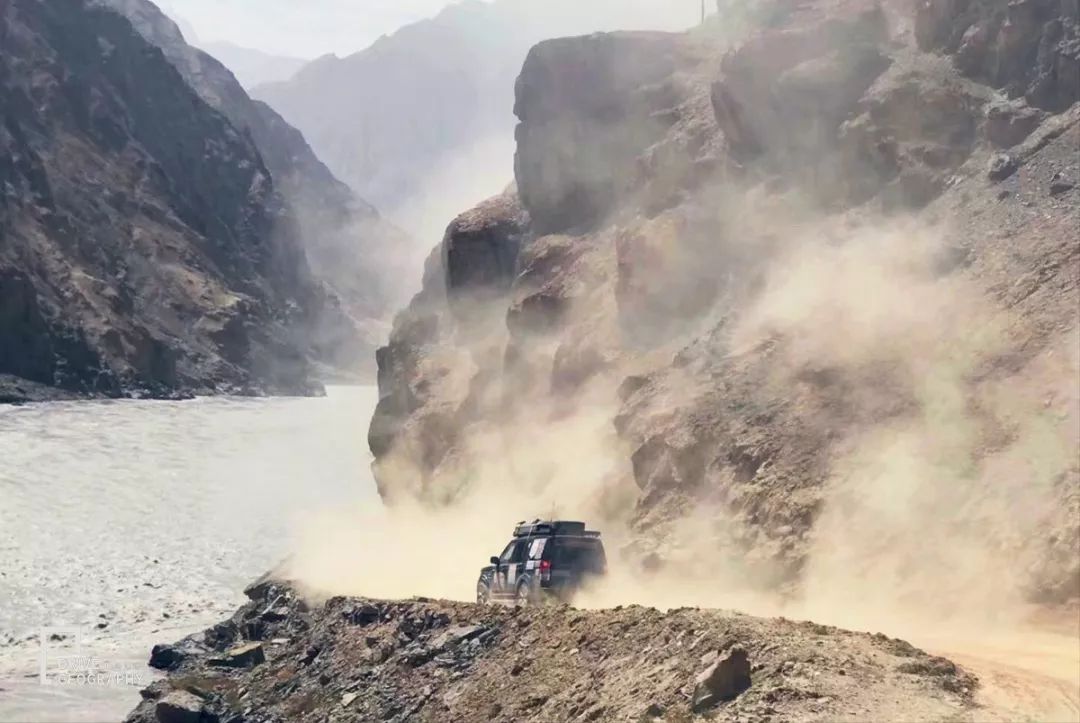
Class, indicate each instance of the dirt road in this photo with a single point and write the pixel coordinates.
(1030, 677)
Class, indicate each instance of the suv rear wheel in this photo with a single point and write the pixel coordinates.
(524, 596)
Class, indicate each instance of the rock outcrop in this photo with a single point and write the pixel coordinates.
(145, 248)
(424, 660)
(1029, 48)
(466, 281)
(680, 192)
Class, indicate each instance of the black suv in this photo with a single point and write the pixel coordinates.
(546, 559)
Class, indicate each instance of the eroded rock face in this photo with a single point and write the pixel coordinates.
(1030, 48)
(786, 92)
(825, 130)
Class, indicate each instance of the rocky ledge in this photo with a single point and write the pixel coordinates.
(282, 658)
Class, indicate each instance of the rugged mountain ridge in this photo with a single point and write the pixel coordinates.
(437, 92)
(679, 193)
(145, 247)
(251, 67)
(347, 243)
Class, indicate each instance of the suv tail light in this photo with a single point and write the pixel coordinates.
(545, 570)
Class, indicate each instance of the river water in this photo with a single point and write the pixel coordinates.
(141, 522)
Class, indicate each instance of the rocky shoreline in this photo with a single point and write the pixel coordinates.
(14, 390)
(282, 657)
(18, 391)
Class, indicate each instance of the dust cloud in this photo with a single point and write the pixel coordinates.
(933, 516)
(466, 176)
(948, 509)
(529, 469)
(942, 513)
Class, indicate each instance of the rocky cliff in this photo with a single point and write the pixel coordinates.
(145, 247)
(347, 243)
(802, 304)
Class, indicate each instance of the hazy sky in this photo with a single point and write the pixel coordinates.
(310, 28)
(305, 28)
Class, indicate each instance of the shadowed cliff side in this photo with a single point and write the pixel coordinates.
(360, 255)
(145, 248)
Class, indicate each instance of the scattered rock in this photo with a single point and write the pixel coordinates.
(1009, 123)
(1060, 184)
(241, 656)
(456, 635)
(275, 614)
(934, 667)
(722, 681)
(182, 707)
(1002, 165)
(170, 657)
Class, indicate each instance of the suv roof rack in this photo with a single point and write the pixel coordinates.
(552, 527)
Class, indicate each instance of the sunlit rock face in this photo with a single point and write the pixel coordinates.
(758, 262)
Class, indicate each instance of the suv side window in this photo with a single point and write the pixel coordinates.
(518, 555)
(506, 554)
(521, 552)
(514, 552)
(536, 549)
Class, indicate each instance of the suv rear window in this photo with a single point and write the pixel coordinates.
(578, 552)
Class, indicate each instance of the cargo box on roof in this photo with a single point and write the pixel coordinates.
(549, 527)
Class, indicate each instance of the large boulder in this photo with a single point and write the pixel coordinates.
(182, 707)
(914, 128)
(480, 251)
(588, 108)
(724, 680)
(173, 656)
